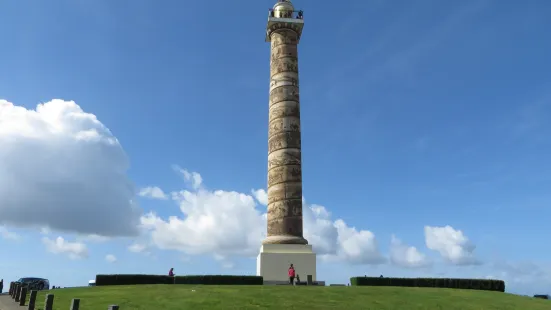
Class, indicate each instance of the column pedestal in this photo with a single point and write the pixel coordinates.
(273, 262)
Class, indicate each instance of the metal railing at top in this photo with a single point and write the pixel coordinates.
(286, 14)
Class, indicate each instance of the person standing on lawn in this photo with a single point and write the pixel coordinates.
(171, 272)
(291, 273)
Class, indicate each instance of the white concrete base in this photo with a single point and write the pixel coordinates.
(273, 262)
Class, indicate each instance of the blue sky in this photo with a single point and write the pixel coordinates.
(414, 114)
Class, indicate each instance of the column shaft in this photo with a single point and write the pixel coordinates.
(284, 142)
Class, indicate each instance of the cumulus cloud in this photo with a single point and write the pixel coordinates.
(192, 178)
(138, 248)
(227, 223)
(219, 222)
(8, 235)
(61, 168)
(110, 258)
(261, 196)
(452, 245)
(356, 246)
(406, 256)
(153, 192)
(75, 250)
(334, 240)
(524, 277)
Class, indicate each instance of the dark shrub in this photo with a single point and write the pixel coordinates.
(219, 280)
(474, 284)
(132, 279)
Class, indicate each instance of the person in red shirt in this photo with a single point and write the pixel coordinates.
(291, 273)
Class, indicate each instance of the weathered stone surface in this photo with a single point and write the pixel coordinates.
(283, 124)
(283, 36)
(285, 50)
(284, 79)
(286, 208)
(284, 191)
(284, 93)
(285, 174)
(285, 64)
(284, 157)
(286, 226)
(284, 109)
(284, 140)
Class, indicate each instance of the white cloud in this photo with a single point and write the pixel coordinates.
(452, 245)
(319, 230)
(139, 248)
(136, 248)
(110, 258)
(215, 222)
(8, 235)
(153, 192)
(192, 178)
(524, 277)
(224, 261)
(224, 223)
(261, 196)
(61, 168)
(406, 256)
(523, 272)
(355, 246)
(334, 240)
(74, 250)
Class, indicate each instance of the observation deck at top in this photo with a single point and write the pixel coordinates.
(284, 16)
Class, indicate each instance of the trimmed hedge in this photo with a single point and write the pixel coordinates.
(473, 284)
(134, 279)
(219, 280)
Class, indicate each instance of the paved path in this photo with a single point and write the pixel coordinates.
(6, 303)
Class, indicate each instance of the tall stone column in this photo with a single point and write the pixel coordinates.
(284, 138)
(285, 244)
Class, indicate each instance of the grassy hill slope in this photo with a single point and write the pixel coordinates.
(172, 297)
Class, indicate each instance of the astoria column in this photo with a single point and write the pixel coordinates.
(284, 139)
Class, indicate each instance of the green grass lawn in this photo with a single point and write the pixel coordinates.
(172, 297)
